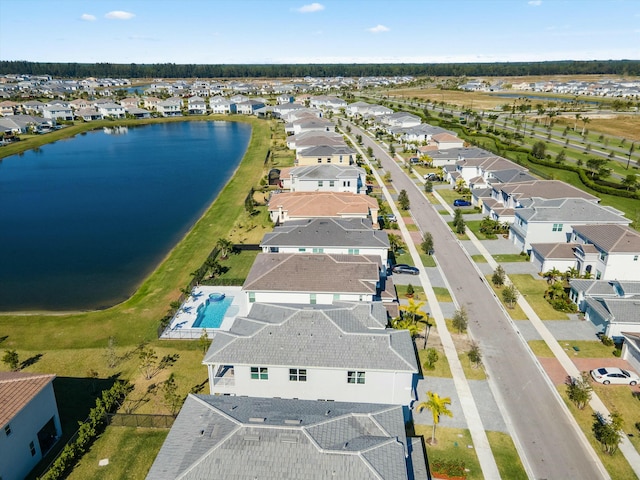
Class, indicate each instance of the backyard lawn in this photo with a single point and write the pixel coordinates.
(452, 445)
(533, 291)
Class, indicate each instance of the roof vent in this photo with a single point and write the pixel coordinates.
(252, 438)
(292, 422)
(326, 414)
(257, 419)
(289, 439)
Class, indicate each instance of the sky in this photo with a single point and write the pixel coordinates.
(332, 31)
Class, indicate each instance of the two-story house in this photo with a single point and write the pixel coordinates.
(57, 112)
(325, 178)
(112, 110)
(342, 352)
(335, 154)
(172, 107)
(196, 106)
(302, 205)
(29, 422)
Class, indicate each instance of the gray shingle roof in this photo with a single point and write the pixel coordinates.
(315, 336)
(324, 150)
(327, 232)
(619, 310)
(610, 238)
(568, 210)
(214, 437)
(327, 171)
(319, 273)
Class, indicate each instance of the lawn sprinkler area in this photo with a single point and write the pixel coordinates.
(209, 309)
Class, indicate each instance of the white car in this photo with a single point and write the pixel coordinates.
(614, 375)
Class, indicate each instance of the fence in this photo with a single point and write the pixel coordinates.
(140, 420)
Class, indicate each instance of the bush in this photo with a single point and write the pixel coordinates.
(450, 467)
(606, 341)
(432, 358)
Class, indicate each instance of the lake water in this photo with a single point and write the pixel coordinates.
(84, 220)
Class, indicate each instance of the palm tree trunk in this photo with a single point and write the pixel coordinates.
(433, 435)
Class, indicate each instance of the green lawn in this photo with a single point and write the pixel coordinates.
(130, 451)
(620, 398)
(516, 313)
(418, 292)
(238, 265)
(442, 294)
(412, 227)
(441, 369)
(427, 260)
(460, 237)
(588, 349)
(479, 258)
(509, 257)
(452, 445)
(449, 195)
(470, 370)
(533, 291)
(506, 455)
(474, 226)
(540, 349)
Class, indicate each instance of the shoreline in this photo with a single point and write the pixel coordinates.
(151, 299)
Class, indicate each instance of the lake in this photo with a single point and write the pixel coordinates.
(83, 221)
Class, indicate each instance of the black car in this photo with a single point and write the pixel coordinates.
(402, 268)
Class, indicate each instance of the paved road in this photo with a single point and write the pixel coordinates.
(546, 435)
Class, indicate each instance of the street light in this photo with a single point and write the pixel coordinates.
(426, 337)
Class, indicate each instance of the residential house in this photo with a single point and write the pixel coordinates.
(444, 141)
(314, 139)
(88, 114)
(450, 156)
(223, 106)
(347, 236)
(249, 107)
(57, 112)
(33, 106)
(342, 352)
(483, 167)
(111, 110)
(151, 102)
(326, 154)
(138, 112)
(295, 438)
(285, 98)
(421, 133)
(29, 422)
(23, 124)
(310, 124)
(172, 107)
(80, 103)
(8, 108)
(327, 102)
(324, 178)
(613, 306)
(401, 119)
(546, 221)
(302, 205)
(547, 256)
(197, 106)
(631, 349)
(130, 102)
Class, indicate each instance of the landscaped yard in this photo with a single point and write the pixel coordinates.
(441, 366)
(452, 445)
(449, 195)
(442, 294)
(621, 399)
(237, 265)
(460, 237)
(509, 258)
(506, 455)
(533, 291)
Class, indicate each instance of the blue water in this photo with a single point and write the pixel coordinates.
(84, 220)
(211, 313)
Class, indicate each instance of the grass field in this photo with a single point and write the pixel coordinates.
(506, 455)
(516, 313)
(442, 294)
(479, 258)
(452, 445)
(509, 257)
(540, 348)
(533, 291)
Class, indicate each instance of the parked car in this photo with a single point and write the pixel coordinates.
(615, 375)
(403, 268)
(459, 202)
(415, 161)
(434, 177)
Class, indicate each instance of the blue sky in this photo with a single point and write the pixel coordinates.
(333, 31)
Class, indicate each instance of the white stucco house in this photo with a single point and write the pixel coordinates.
(57, 112)
(341, 352)
(334, 154)
(111, 110)
(325, 178)
(196, 105)
(29, 422)
(172, 107)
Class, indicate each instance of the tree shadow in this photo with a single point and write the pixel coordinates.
(199, 387)
(3, 338)
(30, 361)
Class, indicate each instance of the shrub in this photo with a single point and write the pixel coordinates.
(410, 290)
(606, 341)
(432, 358)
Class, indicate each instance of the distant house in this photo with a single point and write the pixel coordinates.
(112, 110)
(223, 106)
(33, 106)
(249, 107)
(171, 107)
(325, 178)
(354, 236)
(8, 108)
(284, 99)
(88, 114)
(138, 112)
(300, 439)
(130, 102)
(306, 140)
(326, 154)
(196, 106)
(302, 205)
(57, 112)
(444, 141)
(327, 102)
(307, 125)
(151, 102)
(29, 422)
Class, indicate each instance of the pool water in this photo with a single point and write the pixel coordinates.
(212, 312)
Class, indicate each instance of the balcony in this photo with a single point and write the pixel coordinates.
(224, 376)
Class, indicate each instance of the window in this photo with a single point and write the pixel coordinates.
(252, 297)
(302, 249)
(354, 251)
(7, 429)
(598, 274)
(336, 297)
(557, 227)
(346, 183)
(319, 160)
(603, 256)
(340, 158)
(329, 160)
(320, 183)
(312, 298)
(32, 447)
(297, 374)
(332, 183)
(259, 373)
(635, 258)
(318, 250)
(355, 377)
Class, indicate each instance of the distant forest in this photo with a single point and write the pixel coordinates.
(172, 70)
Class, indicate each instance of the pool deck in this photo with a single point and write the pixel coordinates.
(181, 325)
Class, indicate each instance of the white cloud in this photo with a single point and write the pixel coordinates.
(87, 17)
(311, 8)
(119, 15)
(535, 3)
(378, 29)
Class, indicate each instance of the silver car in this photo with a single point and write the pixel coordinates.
(607, 375)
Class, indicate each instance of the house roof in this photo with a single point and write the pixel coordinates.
(323, 150)
(17, 389)
(489, 164)
(342, 335)
(455, 153)
(618, 310)
(555, 251)
(511, 175)
(249, 438)
(446, 138)
(547, 189)
(332, 273)
(610, 238)
(326, 171)
(327, 232)
(322, 204)
(568, 210)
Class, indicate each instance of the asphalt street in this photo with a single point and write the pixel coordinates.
(545, 434)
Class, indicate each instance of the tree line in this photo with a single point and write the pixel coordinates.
(172, 70)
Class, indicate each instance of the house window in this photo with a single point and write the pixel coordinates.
(7, 429)
(302, 249)
(319, 160)
(603, 256)
(635, 258)
(259, 373)
(336, 297)
(329, 160)
(318, 250)
(598, 274)
(32, 447)
(332, 183)
(340, 158)
(355, 377)
(312, 298)
(297, 374)
(354, 251)
(252, 297)
(557, 227)
(320, 183)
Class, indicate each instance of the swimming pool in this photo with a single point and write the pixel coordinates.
(210, 314)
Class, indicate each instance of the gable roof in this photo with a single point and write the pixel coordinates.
(326, 150)
(556, 251)
(569, 210)
(327, 171)
(248, 438)
(547, 189)
(332, 273)
(343, 335)
(322, 204)
(619, 310)
(17, 389)
(511, 175)
(610, 238)
(327, 232)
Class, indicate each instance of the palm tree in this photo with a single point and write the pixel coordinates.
(437, 406)
(572, 272)
(575, 125)
(412, 310)
(395, 242)
(552, 275)
(585, 120)
(406, 324)
(225, 246)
